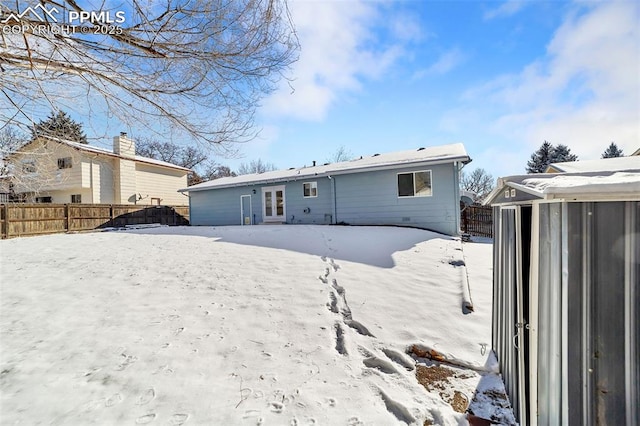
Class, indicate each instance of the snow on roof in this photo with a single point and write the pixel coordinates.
(606, 185)
(102, 151)
(435, 154)
(619, 182)
(617, 164)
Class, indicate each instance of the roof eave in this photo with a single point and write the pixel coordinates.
(418, 163)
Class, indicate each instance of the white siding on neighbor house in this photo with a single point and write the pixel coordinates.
(159, 182)
(64, 196)
(48, 176)
(104, 180)
(125, 181)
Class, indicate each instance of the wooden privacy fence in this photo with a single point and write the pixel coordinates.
(477, 220)
(17, 219)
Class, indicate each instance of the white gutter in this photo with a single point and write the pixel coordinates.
(327, 173)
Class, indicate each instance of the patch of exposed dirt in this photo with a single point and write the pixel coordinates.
(435, 378)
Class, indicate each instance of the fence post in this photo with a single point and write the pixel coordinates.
(66, 217)
(6, 221)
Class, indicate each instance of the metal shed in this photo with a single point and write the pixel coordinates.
(566, 318)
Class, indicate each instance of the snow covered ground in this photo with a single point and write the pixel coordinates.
(272, 325)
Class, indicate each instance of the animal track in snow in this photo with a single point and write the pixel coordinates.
(128, 360)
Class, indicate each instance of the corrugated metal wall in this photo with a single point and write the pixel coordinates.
(585, 346)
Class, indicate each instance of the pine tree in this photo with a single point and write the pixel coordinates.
(562, 154)
(59, 125)
(541, 158)
(549, 154)
(613, 151)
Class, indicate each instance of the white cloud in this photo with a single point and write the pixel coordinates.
(584, 93)
(508, 8)
(445, 63)
(338, 49)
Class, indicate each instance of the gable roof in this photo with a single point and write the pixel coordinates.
(415, 157)
(101, 151)
(601, 165)
(568, 186)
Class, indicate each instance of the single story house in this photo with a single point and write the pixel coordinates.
(53, 170)
(566, 302)
(417, 188)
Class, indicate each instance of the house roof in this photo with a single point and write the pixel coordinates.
(416, 157)
(102, 151)
(616, 164)
(568, 186)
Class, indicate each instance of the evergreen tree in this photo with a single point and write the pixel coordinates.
(59, 125)
(549, 154)
(613, 151)
(541, 158)
(561, 154)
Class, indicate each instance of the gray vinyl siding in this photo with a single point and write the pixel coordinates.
(372, 199)
(222, 206)
(369, 198)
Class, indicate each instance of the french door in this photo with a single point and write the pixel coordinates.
(273, 204)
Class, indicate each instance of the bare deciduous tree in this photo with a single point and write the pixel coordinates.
(479, 182)
(196, 159)
(255, 166)
(197, 67)
(340, 154)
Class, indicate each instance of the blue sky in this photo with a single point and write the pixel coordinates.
(500, 77)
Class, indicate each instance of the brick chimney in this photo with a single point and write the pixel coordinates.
(124, 146)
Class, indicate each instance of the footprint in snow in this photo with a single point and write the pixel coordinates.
(113, 400)
(146, 397)
(178, 419)
(399, 358)
(276, 407)
(380, 364)
(147, 418)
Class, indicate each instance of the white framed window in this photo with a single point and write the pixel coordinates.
(29, 166)
(414, 184)
(310, 189)
(76, 198)
(64, 163)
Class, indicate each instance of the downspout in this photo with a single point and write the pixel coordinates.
(334, 212)
(457, 170)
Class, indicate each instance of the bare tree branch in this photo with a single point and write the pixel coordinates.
(198, 68)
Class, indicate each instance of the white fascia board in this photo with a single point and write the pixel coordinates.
(329, 173)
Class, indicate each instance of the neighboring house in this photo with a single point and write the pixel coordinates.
(637, 152)
(417, 188)
(616, 164)
(566, 283)
(53, 170)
